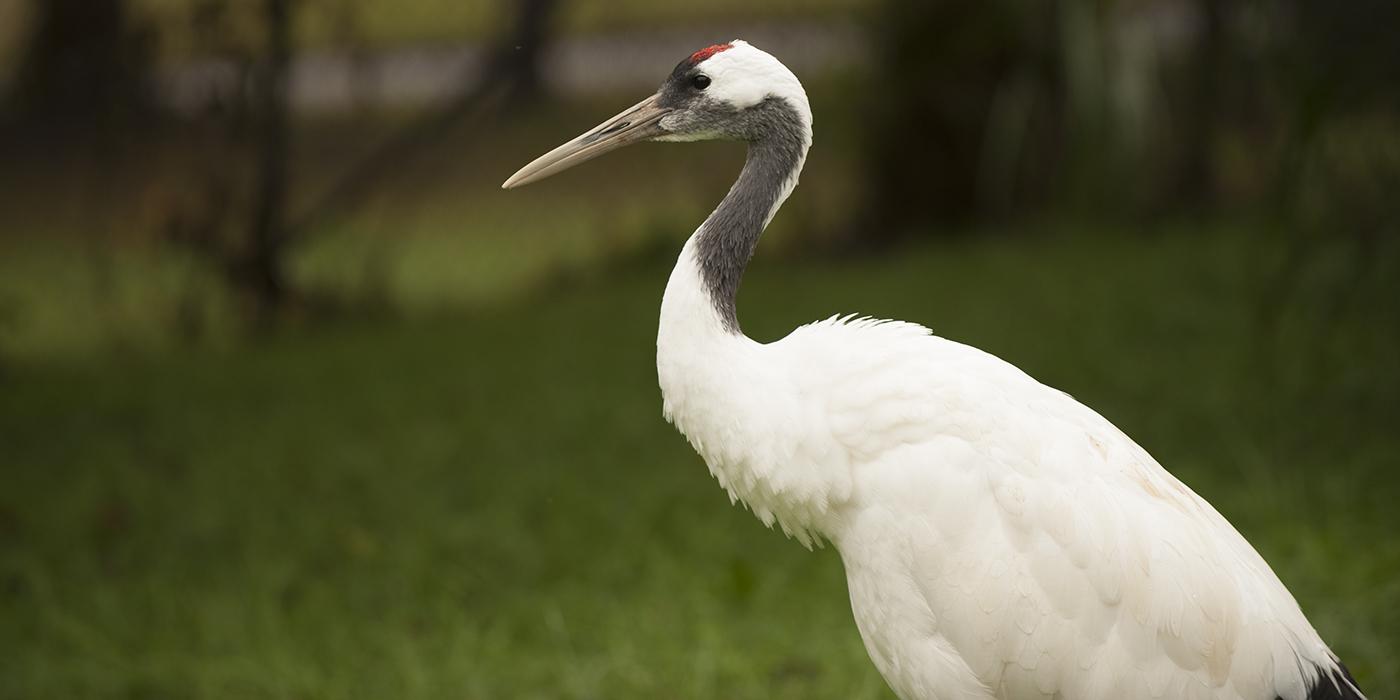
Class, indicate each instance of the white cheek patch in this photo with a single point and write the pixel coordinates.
(744, 76)
(734, 80)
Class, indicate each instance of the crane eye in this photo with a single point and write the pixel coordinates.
(700, 81)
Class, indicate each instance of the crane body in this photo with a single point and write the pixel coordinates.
(1000, 539)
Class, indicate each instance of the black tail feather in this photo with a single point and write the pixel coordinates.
(1335, 685)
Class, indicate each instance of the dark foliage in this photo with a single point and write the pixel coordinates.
(990, 108)
(943, 63)
(85, 71)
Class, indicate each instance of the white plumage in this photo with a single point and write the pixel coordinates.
(1000, 539)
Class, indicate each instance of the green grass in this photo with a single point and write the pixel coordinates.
(489, 505)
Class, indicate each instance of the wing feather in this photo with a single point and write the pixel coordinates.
(1052, 550)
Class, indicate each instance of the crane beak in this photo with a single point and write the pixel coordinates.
(639, 122)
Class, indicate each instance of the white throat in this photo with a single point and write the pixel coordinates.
(720, 388)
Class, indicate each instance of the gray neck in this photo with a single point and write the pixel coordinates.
(726, 241)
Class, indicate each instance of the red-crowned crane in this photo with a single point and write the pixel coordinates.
(1000, 539)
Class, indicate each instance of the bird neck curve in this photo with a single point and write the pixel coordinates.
(725, 242)
(718, 386)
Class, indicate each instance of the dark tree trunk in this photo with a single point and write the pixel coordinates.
(517, 59)
(1195, 185)
(260, 273)
(83, 79)
(84, 67)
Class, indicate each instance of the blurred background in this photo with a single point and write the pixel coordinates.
(296, 402)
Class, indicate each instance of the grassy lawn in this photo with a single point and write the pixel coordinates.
(489, 504)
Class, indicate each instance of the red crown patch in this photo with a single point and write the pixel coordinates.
(708, 51)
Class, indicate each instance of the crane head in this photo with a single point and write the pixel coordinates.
(706, 96)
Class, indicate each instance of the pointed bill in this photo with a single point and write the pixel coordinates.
(636, 123)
